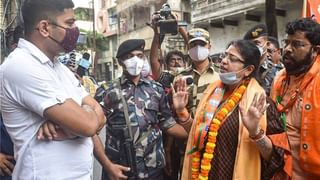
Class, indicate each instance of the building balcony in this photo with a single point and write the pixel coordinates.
(202, 11)
(125, 4)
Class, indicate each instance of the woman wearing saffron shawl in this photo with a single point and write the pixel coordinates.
(237, 132)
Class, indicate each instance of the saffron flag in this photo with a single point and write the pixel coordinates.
(311, 8)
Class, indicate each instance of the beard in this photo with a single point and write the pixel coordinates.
(297, 67)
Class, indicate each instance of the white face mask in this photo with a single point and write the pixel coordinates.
(134, 65)
(260, 50)
(145, 69)
(198, 53)
(230, 78)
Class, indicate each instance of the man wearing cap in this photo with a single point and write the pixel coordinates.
(202, 72)
(148, 114)
(259, 35)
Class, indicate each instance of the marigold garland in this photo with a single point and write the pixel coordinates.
(201, 163)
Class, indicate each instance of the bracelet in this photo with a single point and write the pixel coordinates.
(185, 121)
(258, 136)
(183, 114)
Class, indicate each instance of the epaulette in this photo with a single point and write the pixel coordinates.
(157, 85)
(112, 84)
(185, 71)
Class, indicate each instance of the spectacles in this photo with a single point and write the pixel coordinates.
(232, 58)
(294, 43)
(270, 51)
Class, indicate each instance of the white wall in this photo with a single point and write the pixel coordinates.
(220, 37)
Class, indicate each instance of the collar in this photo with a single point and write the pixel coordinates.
(210, 69)
(33, 50)
(125, 80)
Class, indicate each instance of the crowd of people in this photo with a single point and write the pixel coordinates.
(246, 113)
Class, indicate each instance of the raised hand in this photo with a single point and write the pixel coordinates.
(180, 94)
(6, 166)
(251, 118)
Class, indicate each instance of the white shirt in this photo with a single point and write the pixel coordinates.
(30, 83)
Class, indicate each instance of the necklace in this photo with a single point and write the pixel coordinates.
(201, 162)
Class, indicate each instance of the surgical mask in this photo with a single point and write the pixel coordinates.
(134, 65)
(69, 41)
(199, 53)
(260, 50)
(230, 78)
(145, 69)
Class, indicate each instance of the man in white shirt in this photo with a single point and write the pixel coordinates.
(49, 116)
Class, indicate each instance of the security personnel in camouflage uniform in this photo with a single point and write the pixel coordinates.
(259, 35)
(148, 112)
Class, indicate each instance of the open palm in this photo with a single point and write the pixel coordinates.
(180, 95)
(251, 118)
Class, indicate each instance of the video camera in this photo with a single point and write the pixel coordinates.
(167, 23)
(167, 77)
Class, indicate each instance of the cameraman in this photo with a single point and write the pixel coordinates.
(174, 59)
(201, 70)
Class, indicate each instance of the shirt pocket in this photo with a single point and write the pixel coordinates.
(151, 111)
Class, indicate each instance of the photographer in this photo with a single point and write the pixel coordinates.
(160, 24)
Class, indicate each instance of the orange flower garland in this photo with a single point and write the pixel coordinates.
(201, 167)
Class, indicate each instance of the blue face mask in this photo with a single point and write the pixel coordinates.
(230, 78)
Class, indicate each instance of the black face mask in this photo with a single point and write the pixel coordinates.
(299, 67)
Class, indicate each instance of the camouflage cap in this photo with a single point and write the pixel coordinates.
(198, 34)
(255, 32)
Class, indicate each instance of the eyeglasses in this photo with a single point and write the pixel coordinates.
(232, 58)
(294, 43)
(270, 51)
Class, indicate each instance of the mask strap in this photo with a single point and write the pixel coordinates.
(54, 40)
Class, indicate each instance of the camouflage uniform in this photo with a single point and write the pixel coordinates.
(267, 72)
(149, 113)
(200, 83)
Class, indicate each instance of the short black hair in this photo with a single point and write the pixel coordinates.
(17, 33)
(249, 52)
(306, 25)
(274, 41)
(34, 11)
(174, 52)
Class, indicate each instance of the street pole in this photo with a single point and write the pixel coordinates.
(93, 58)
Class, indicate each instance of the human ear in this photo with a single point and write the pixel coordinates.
(43, 28)
(316, 49)
(249, 70)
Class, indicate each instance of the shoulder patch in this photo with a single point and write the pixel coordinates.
(157, 85)
(186, 71)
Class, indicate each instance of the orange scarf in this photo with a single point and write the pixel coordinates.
(244, 166)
